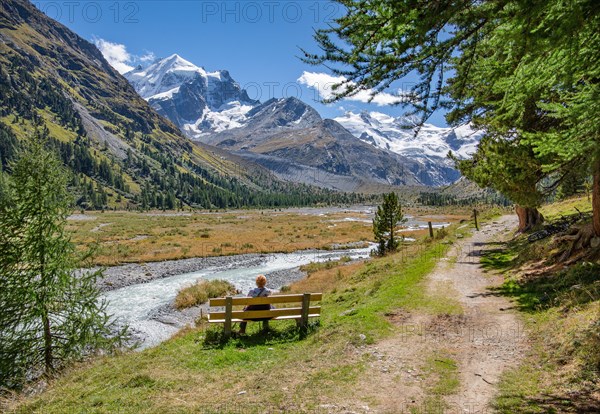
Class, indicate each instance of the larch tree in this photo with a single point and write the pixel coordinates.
(525, 72)
(50, 312)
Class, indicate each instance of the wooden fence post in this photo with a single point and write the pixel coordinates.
(228, 310)
(475, 217)
(430, 229)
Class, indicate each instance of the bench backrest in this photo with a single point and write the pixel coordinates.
(265, 300)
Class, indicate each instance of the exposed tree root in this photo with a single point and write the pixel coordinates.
(580, 239)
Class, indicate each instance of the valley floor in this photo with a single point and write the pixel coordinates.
(418, 331)
(121, 237)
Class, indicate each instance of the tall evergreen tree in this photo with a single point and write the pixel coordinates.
(50, 313)
(5, 191)
(520, 70)
(387, 219)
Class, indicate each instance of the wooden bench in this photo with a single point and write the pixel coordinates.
(300, 314)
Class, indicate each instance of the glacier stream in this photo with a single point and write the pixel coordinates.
(146, 307)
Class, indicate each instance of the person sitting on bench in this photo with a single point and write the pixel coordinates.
(259, 291)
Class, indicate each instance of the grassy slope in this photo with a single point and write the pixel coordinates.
(562, 317)
(194, 370)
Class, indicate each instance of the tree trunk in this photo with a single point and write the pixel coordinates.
(48, 360)
(529, 217)
(392, 228)
(596, 197)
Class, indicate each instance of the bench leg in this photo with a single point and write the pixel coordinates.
(265, 325)
(304, 318)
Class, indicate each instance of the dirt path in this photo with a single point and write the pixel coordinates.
(481, 343)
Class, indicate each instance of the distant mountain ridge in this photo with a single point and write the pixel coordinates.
(429, 147)
(286, 135)
(291, 139)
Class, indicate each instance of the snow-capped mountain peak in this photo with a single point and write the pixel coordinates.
(196, 100)
(162, 76)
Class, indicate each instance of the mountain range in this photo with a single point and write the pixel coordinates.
(58, 87)
(174, 134)
(427, 144)
(291, 139)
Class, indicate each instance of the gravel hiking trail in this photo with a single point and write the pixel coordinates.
(480, 343)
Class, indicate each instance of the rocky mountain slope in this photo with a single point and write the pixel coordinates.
(292, 140)
(56, 86)
(429, 147)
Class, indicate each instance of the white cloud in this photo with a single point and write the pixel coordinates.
(148, 57)
(323, 83)
(116, 54)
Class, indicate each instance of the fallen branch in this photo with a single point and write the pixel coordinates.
(488, 382)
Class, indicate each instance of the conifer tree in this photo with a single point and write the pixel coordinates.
(525, 72)
(50, 313)
(387, 219)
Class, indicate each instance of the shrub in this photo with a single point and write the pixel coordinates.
(202, 291)
(441, 233)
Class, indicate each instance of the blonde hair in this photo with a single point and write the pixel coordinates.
(261, 281)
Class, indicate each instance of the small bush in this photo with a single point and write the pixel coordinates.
(202, 291)
(313, 267)
(441, 233)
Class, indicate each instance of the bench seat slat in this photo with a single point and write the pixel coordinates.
(273, 313)
(238, 301)
(278, 318)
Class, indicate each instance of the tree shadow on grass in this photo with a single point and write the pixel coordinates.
(496, 259)
(575, 286)
(214, 337)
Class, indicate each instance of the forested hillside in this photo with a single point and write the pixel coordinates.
(58, 87)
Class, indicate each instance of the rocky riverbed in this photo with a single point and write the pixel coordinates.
(117, 277)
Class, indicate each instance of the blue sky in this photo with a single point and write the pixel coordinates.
(256, 41)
